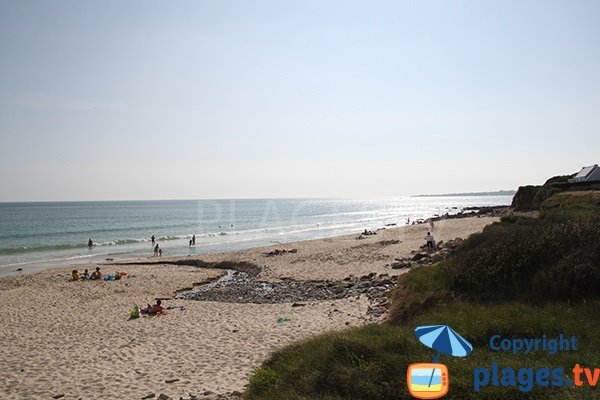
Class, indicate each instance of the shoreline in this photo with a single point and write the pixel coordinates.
(100, 254)
(73, 338)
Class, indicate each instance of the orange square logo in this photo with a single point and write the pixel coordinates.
(427, 380)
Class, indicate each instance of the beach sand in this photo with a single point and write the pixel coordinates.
(74, 338)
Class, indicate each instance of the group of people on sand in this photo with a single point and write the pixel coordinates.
(367, 232)
(76, 276)
(96, 275)
(280, 252)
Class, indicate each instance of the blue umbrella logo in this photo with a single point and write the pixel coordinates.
(444, 340)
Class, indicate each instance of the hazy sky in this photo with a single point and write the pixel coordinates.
(221, 99)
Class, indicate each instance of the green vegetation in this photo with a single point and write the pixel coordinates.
(531, 197)
(572, 206)
(521, 277)
(371, 362)
(536, 261)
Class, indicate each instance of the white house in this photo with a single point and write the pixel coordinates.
(587, 174)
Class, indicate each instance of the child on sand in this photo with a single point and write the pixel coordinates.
(75, 275)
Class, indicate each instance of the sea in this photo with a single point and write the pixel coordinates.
(43, 235)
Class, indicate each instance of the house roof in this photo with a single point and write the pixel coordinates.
(586, 173)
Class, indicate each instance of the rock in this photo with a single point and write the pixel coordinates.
(401, 264)
(58, 396)
(163, 396)
(207, 392)
(298, 305)
(419, 256)
(149, 396)
(172, 380)
(19, 269)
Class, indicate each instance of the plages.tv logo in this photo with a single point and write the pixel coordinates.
(431, 380)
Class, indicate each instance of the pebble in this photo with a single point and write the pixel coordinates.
(242, 287)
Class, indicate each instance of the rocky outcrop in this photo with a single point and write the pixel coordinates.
(240, 287)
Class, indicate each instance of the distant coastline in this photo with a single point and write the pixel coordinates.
(496, 193)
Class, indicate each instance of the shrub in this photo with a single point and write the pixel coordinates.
(536, 261)
(572, 206)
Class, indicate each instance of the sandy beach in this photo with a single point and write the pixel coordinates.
(74, 338)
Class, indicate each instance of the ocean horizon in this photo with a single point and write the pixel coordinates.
(40, 235)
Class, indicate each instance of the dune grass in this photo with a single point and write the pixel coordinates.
(520, 278)
(371, 362)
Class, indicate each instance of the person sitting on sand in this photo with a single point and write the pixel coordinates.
(155, 309)
(75, 275)
(85, 275)
(96, 274)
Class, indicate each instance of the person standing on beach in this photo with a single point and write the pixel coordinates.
(153, 239)
(90, 242)
(194, 239)
(430, 242)
(156, 248)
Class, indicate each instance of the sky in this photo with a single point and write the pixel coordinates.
(117, 100)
